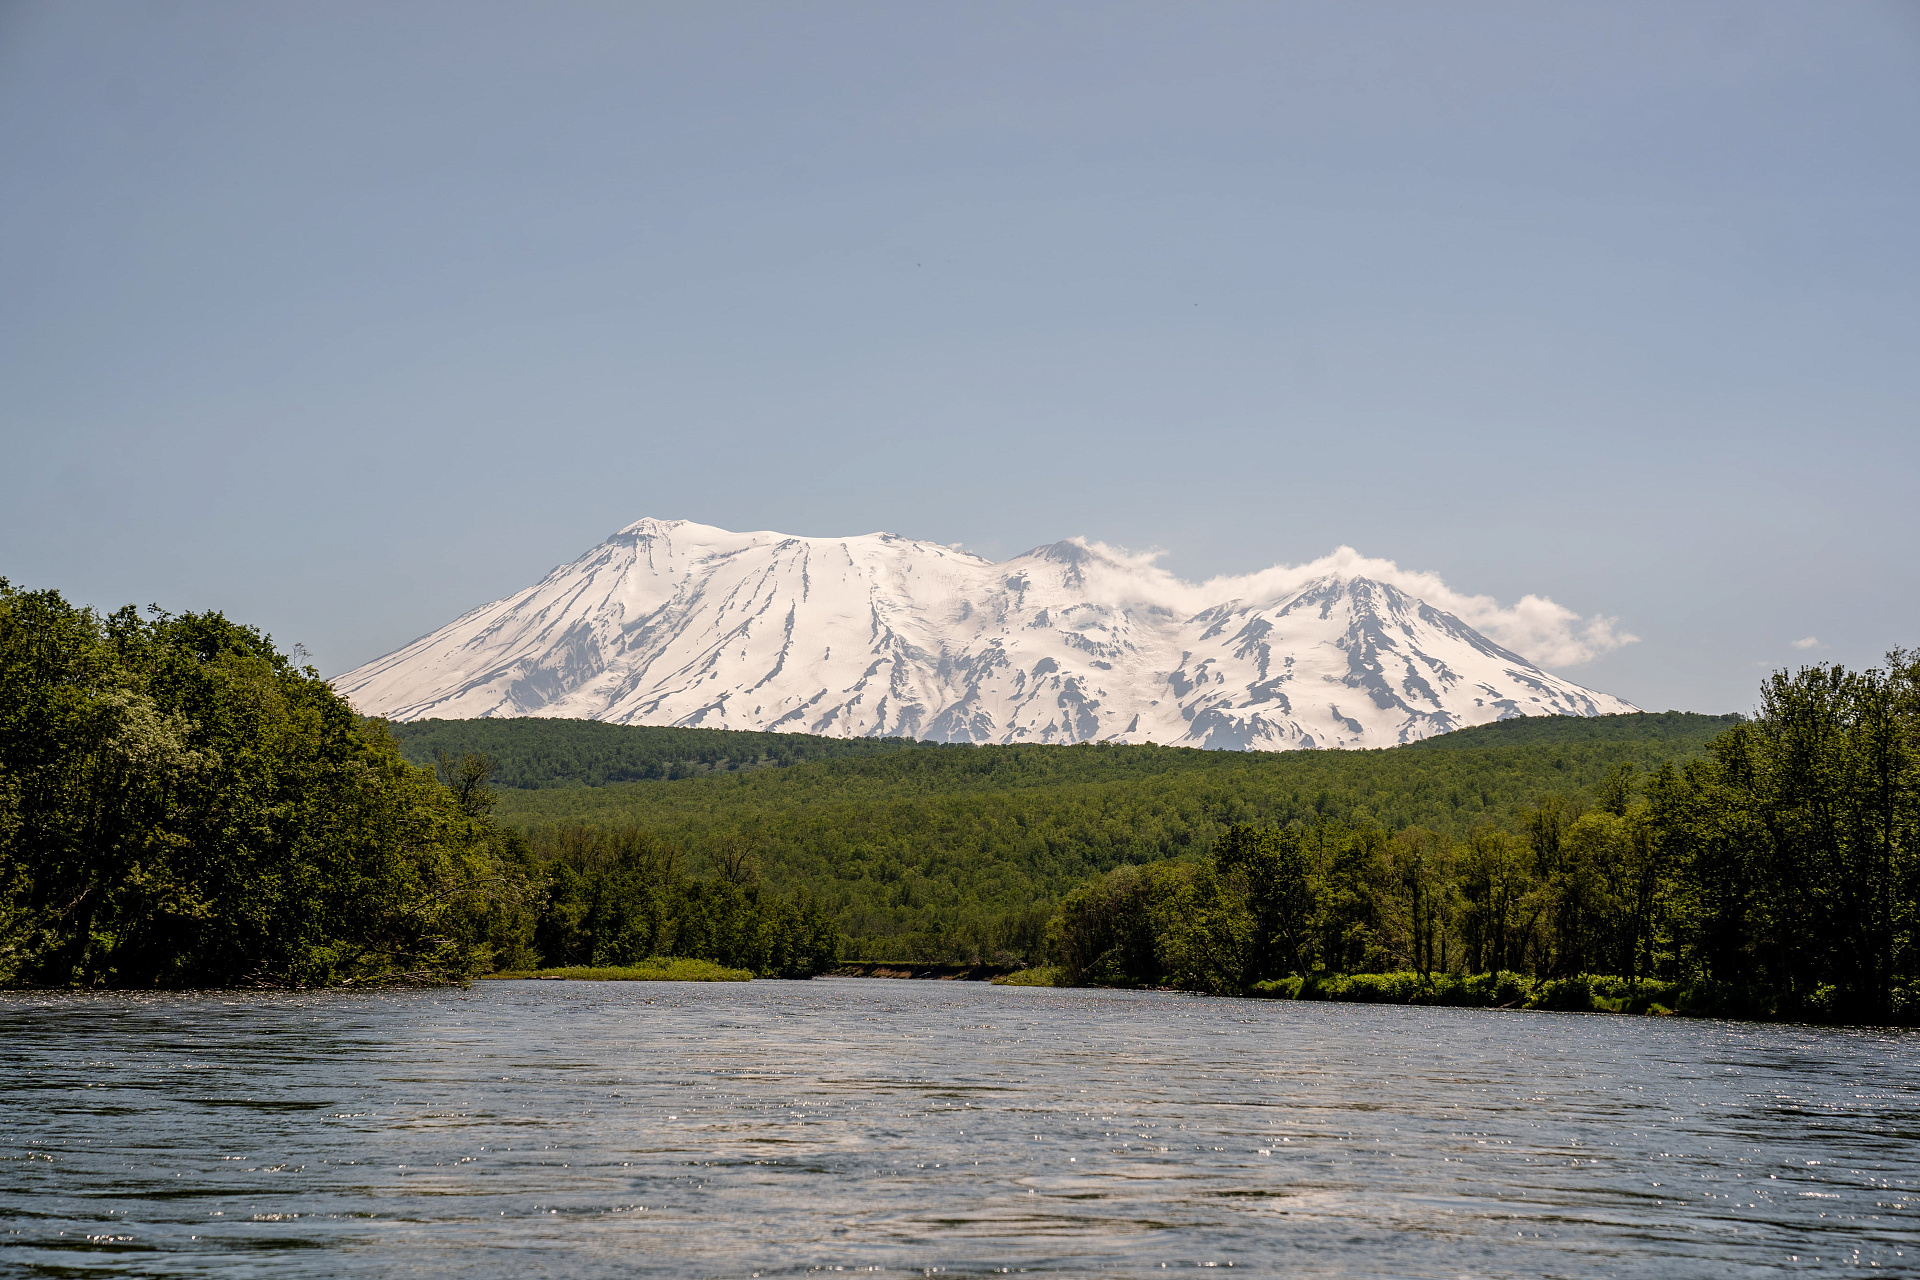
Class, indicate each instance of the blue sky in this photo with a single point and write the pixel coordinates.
(347, 318)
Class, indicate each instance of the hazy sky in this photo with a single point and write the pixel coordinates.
(347, 318)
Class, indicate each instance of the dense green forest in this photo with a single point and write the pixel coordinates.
(960, 853)
(1778, 876)
(1681, 733)
(533, 753)
(618, 897)
(180, 805)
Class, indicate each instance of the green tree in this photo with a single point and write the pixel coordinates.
(1269, 870)
(185, 807)
(1107, 932)
(1496, 884)
(620, 897)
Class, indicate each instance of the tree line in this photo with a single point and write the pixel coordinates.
(618, 897)
(1777, 875)
(961, 853)
(537, 752)
(182, 805)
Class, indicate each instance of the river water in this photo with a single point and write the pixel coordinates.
(846, 1125)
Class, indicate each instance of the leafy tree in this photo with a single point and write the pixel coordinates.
(1107, 931)
(1270, 871)
(467, 777)
(619, 897)
(1206, 931)
(1798, 837)
(1496, 885)
(182, 806)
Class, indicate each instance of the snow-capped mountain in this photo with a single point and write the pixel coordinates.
(674, 623)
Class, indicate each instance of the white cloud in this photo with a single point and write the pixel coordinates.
(1807, 642)
(1536, 628)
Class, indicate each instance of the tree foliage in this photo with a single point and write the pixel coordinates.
(620, 897)
(1795, 849)
(961, 853)
(181, 805)
(1778, 875)
(535, 753)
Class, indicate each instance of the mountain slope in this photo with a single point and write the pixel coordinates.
(911, 844)
(674, 623)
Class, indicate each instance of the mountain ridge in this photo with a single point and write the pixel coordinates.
(679, 624)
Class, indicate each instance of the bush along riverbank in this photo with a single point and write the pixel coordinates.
(1581, 993)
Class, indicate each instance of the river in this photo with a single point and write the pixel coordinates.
(579, 1129)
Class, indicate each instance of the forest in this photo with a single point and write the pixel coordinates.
(533, 753)
(181, 806)
(1775, 876)
(960, 853)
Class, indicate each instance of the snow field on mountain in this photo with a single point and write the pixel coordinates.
(675, 623)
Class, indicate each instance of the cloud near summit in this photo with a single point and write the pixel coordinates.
(1534, 627)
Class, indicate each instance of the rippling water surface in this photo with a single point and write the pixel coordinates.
(589, 1129)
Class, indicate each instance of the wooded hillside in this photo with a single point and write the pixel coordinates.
(950, 851)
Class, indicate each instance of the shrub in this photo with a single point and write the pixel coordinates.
(1040, 976)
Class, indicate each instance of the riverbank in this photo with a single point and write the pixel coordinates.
(916, 969)
(659, 969)
(1582, 993)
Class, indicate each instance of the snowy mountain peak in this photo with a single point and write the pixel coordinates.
(676, 623)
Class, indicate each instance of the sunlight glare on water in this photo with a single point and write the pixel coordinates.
(846, 1125)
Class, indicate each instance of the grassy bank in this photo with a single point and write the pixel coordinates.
(1039, 976)
(658, 969)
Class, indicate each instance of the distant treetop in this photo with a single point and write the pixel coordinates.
(532, 753)
(1682, 729)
